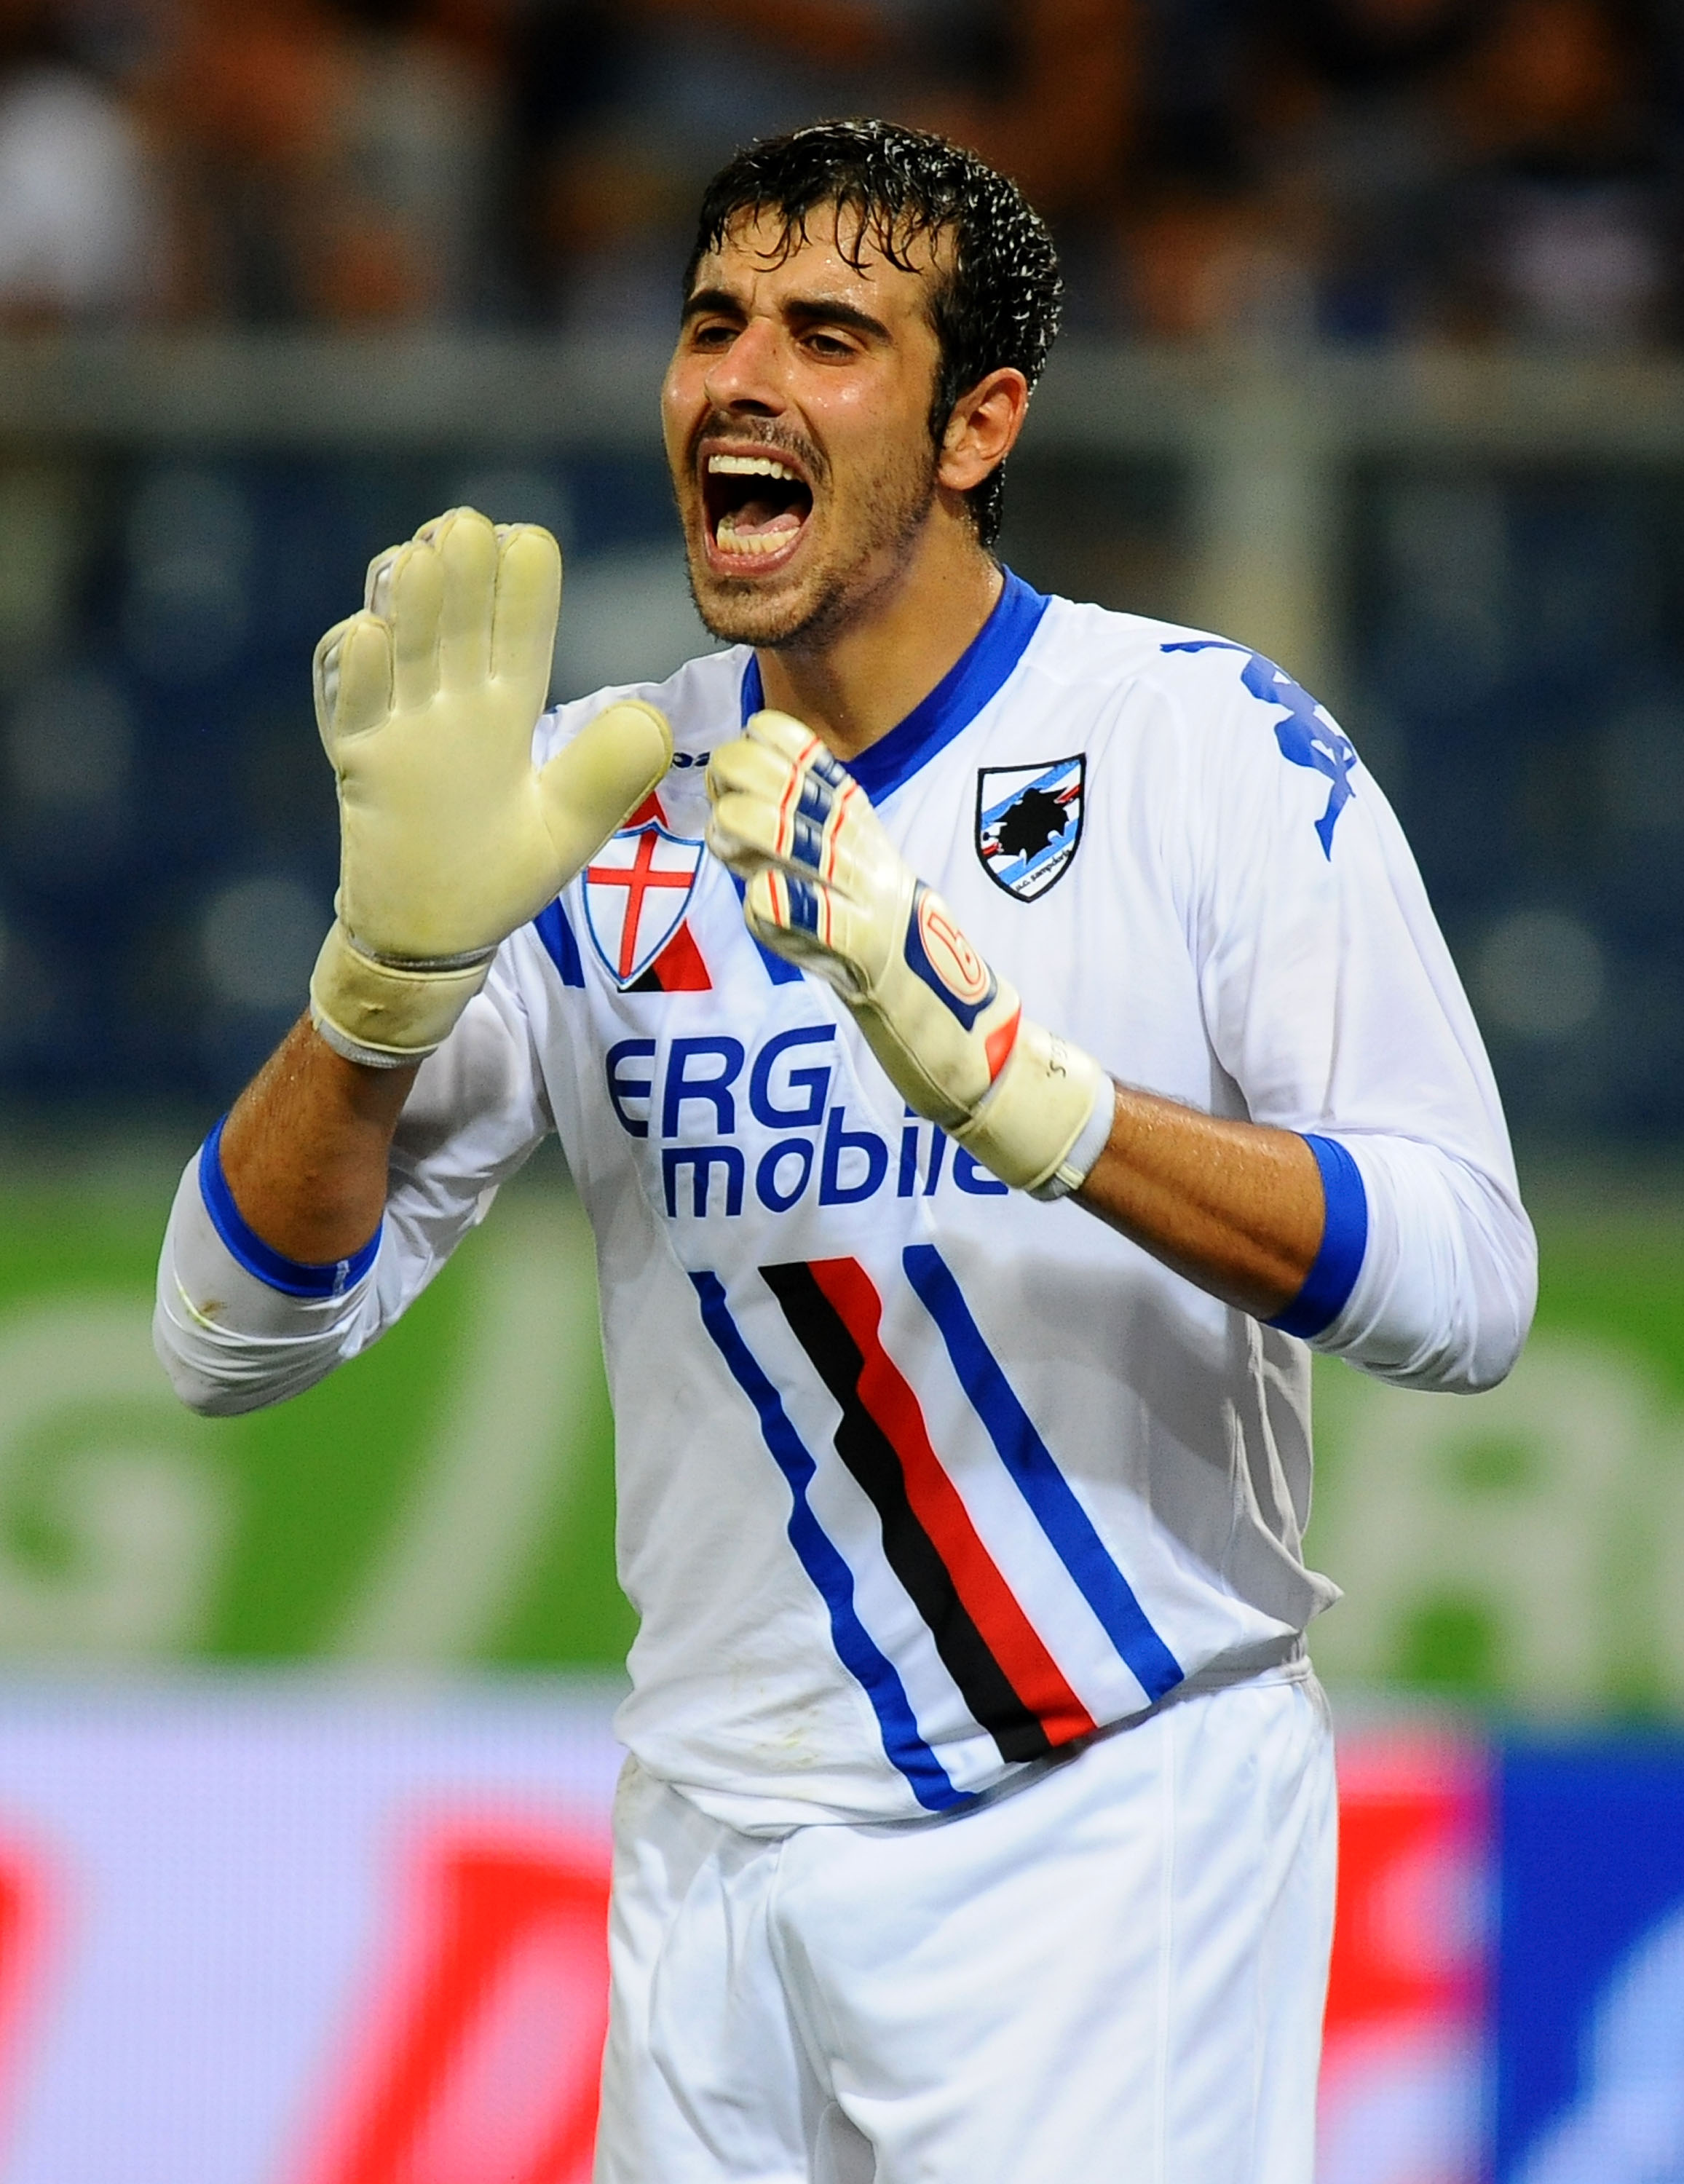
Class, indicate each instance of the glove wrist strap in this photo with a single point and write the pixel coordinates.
(1073, 1171)
(1041, 1108)
(386, 1015)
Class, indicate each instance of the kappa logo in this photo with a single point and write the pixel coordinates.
(1305, 736)
(636, 889)
(1029, 823)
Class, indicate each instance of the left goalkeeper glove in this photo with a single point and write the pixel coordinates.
(828, 890)
(450, 837)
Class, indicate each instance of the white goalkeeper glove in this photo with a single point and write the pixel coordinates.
(449, 837)
(828, 890)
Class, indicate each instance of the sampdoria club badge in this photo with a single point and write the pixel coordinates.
(1029, 823)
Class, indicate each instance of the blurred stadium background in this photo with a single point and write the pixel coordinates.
(1373, 360)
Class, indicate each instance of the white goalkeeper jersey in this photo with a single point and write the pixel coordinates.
(921, 1480)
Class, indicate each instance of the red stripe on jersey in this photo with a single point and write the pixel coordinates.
(935, 1501)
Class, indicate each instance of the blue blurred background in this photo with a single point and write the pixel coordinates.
(1375, 359)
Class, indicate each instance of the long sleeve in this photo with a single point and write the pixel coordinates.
(238, 1326)
(1334, 1004)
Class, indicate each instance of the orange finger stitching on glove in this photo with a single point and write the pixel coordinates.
(786, 836)
(841, 806)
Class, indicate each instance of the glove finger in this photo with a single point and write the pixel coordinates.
(745, 833)
(414, 588)
(745, 768)
(325, 679)
(737, 855)
(592, 787)
(466, 546)
(436, 526)
(377, 584)
(528, 601)
(791, 740)
(801, 921)
(754, 830)
(798, 813)
(352, 679)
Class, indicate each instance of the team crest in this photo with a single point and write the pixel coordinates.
(637, 889)
(1029, 823)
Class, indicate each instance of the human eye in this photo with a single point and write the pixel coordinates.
(830, 347)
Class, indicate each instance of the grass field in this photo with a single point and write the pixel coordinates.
(448, 1498)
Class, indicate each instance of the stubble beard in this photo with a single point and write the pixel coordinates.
(827, 600)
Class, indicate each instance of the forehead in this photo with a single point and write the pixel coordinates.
(831, 253)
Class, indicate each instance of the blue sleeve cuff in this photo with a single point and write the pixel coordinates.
(1344, 1239)
(294, 1277)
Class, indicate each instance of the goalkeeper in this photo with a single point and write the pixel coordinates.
(994, 1039)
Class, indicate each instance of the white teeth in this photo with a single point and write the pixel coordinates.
(752, 466)
(753, 542)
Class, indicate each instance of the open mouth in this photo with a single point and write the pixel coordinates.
(757, 507)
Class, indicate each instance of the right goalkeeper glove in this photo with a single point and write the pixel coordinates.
(828, 889)
(450, 839)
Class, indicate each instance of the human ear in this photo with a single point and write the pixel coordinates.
(983, 429)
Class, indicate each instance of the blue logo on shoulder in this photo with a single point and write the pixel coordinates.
(1304, 736)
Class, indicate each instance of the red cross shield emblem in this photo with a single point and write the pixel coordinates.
(636, 889)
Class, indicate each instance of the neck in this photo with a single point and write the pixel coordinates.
(855, 684)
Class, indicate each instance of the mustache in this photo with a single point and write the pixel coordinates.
(760, 434)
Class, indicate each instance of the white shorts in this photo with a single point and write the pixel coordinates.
(1114, 1975)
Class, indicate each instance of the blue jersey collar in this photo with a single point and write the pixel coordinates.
(979, 672)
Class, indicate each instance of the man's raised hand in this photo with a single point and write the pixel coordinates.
(450, 839)
(829, 889)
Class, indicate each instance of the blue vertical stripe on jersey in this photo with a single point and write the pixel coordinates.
(985, 1640)
(1038, 1478)
(297, 1277)
(979, 673)
(1344, 1240)
(553, 930)
(823, 1563)
(777, 969)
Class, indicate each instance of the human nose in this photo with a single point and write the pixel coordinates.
(746, 375)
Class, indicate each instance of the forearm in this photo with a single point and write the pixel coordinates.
(305, 1149)
(1236, 1208)
(264, 1282)
(1385, 1251)
(243, 1320)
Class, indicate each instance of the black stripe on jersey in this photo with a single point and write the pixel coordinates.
(872, 1458)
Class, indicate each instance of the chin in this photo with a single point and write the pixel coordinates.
(743, 611)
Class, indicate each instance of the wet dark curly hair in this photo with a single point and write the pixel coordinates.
(995, 300)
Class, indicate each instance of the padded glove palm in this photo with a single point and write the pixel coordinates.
(450, 837)
(828, 890)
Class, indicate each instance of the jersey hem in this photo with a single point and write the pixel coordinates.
(1281, 1661)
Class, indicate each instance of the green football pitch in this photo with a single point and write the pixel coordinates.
(446, 1501)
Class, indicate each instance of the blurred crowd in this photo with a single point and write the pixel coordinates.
(1343, 170)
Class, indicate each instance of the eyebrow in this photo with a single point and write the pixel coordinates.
(806, 310)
